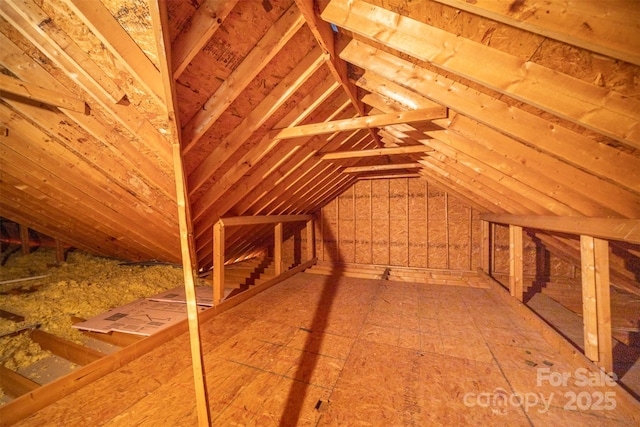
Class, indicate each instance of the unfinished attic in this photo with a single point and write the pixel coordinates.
(400, 212)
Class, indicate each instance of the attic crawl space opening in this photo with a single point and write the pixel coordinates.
(379, 198)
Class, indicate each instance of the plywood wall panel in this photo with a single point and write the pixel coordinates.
(459, 228)
(380, 221)
(363, 241)
(437, 228)
(401, 222)
(417, 213)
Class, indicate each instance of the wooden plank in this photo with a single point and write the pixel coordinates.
(11, 86)
(359, 123)
(497, 164)
(14, 384)
(376, 152)
(256, 160)
(485, 246)
(589, 298)
(277, 247)
(66, 349)
(323, 34)
(203, 24)
(60, 254)
(106, 28)
(609, 29)
(603, 304)
(596, 108)
(38, 27)
(262, 53)
(390, 176)
(376, 168)
(24, 239)
(311, 240)
(516, 283)
(160, 22)
(263, 219)
(626, 230)
(144, 133)
(601, 159)
(254, 120)
(218, 261)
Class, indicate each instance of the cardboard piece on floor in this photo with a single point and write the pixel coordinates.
(141, 317)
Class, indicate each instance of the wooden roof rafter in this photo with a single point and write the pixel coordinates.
(37, 27)
(204, 23)
(254, 120)
(324, 34)
(263, 52)
(106, 28)
(593, 107)
(612, 33)
(566, 145)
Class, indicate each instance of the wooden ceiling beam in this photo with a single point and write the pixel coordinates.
(519, 191)
(473, 200)
(390, 176)
(611, 30)
(49, 204)
(116, 163)
(577, 188)
(34, 207)
(263, 52)
(377, 168)
(376, 152)
(144, 133)
(203, 24)
(596, 108)
(252, 162)
(265, 174)
(122, 211)
(603, 160)
(206, 206)
(324, 35)
(11, 86)
(455, 179)
(108, 30)
(256, 118)
(312, 181)
(509, 178)
(576, 193)
(298, 172)
(624, 230)
(37, 27)
(366, 122)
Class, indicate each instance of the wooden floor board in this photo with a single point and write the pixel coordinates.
(331, 351)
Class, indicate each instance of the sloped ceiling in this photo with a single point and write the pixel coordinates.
(523, 107)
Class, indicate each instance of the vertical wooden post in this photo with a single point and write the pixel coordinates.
(485, 249)
(24, 238)
(470, 252)
(188, 271)
(603, 305)
(311, 240)
(446, 226)
(515, 262)
(596, 304)
(59, 252)
(277, 247)
(218, 262)
(160, 21)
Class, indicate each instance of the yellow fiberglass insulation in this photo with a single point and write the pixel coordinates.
(83, 286)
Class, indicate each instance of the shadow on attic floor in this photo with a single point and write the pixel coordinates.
(335, 350)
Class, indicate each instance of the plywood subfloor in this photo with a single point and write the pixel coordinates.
(327, 350)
